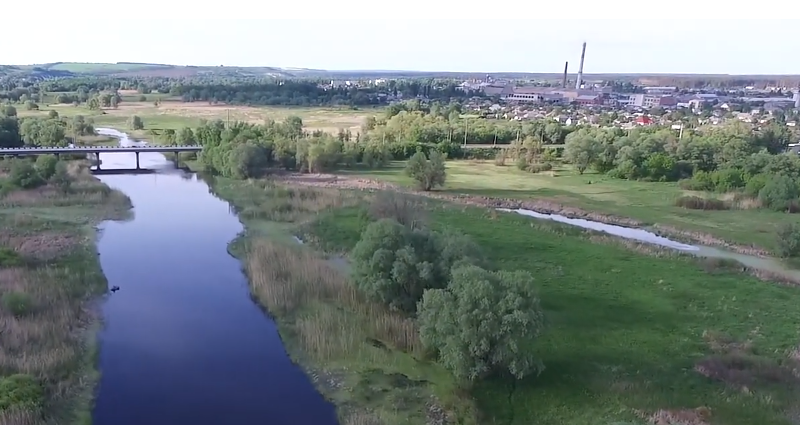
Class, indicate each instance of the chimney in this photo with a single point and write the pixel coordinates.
(564, 83)
(580, 68)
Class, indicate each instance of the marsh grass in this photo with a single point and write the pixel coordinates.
(46, 316)
(330, 324)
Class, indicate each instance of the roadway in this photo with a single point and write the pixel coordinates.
(97, 149)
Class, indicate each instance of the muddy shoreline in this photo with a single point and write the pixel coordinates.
(543, 206)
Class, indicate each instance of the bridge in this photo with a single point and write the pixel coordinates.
(97, 150)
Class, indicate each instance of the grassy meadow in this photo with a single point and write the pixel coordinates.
(175, 114)
(49, 277)
(649, 203)
(635, 335)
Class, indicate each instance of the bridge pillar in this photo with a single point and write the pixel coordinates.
(97, 157)
(137, 160)
(177, 159)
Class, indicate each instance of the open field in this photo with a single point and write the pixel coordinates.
(49, 275)
(649, 203)
(631, 338)
(174, 114)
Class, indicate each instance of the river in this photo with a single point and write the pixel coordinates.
(183, 343)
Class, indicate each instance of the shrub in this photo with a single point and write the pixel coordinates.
(428, 173)
(698, 203)
(46, 166)
(394, 264)
(500, 158)
(61, 178)
(789, 240)
(779, 193)
(402, 208)
(20, 391)
(135, 123)
(24, 175)
(9, 258)
(52, 115)
(483, 322)
(540, 167)
(755, 184)
(17, 303)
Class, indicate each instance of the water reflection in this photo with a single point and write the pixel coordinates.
(183, 343)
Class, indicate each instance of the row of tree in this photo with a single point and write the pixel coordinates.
(40, 131)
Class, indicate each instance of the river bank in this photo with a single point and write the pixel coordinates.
(50, 281)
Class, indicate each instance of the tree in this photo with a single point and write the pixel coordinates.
(395, 264)
(9, 111)
(24, 175)
(46, 166)
(428, 173)
(135, 123)
(788, 240)
(185, 137)
(779, 193)
(483, 322)
(581, 150)
(61, 178)
(52, 114)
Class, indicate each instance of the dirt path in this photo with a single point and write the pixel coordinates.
(541, 205)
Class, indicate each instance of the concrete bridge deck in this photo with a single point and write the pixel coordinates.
(97, 149)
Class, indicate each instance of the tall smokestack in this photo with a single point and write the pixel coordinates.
(564, 83)
(580, 68)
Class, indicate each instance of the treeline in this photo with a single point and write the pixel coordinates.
(40, 131)
(733, 158)
(245, 90)
(436, 122)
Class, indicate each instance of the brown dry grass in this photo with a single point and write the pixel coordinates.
(290, 280)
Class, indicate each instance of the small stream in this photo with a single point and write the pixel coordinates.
(183, 343)
(766, 264)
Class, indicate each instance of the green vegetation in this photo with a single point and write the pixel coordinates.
(49, 274)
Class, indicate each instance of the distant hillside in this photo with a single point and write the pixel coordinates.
(129, 69)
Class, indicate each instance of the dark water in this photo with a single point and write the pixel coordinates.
(183, 343)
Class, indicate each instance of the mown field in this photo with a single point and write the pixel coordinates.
(631, 338)
(650, 203)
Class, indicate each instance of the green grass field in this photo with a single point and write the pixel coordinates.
(650, 203)
(625, 329)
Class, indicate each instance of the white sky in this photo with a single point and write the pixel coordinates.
(643, 36)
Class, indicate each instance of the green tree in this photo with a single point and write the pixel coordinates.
(395, 264)
(483, 322)
(789, 240)
(135, 123)
(581, 150)
(9, 111)
(46, 166)
(779, 192)
(61, 178)
(428, 173)
(24, 175)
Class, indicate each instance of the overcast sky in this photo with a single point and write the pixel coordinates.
(633, 45)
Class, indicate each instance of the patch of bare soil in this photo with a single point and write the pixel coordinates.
(543, 205)
(735, 364)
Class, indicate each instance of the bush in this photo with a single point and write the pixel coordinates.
(755, 184)
(20, 391)
(698, 203)
(9, 258)
(540, 167)
(779, 193)
(17, 303)
(404, 209)
(483, 322)
(789, 240)
(24, 175)
(394, 264)
(428, 173)
(135, 123)
(46, 166)
(61, 178)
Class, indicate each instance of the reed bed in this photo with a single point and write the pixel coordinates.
(332, 319)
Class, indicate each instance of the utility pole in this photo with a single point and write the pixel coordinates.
(466, 125)
(228, 120)
(680, 135)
